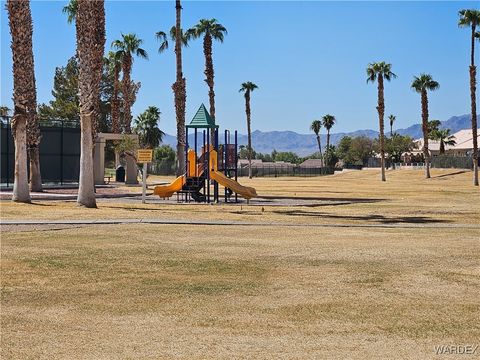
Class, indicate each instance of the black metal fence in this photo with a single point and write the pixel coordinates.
(163, 167)
(272, 171)
(456, 162)
(59, 152)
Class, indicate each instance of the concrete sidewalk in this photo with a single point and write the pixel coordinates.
(7, 195)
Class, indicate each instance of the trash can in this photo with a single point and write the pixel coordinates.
(120, 174)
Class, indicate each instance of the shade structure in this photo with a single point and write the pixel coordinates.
(202, 120)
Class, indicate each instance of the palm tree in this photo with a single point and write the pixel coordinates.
(21, 30)
(211, 30)
(380, 71)
(392, 119)
(179, 86)
(247, 88)
(146, 126)
(328, 122)
(444, 137)
(90, 25)
(471, 18)
(32, 127)
(114, 64)
(315, 127)
(5, 112)
(421, 84)
(71, 10)
(128, 46)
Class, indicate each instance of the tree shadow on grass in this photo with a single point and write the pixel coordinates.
(373, 218)
(450, 174)
(312, 198)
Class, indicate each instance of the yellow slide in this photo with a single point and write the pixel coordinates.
(244, 191)
(165, 191)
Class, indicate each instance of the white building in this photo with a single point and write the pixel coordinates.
(463, 146)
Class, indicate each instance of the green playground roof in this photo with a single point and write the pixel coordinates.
(202, 120)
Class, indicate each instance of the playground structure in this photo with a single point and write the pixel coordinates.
(215, 165)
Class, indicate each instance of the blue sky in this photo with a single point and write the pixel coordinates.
(308, 58)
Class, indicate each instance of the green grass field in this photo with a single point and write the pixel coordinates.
(380, 271)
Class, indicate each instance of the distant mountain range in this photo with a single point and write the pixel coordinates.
(306, 144)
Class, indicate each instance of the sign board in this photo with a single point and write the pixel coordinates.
(144, 155)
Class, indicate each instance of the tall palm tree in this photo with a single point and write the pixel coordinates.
(444, 137)
(128, 46)
(471, 18)
(21, 30)
(146, 126)
(33, 128)
(392, 119)
(247, 88)
(315, 127)
(179, 86)
(211, 30)
(114, 63)
(328, 122)
(89, 30)
(71, 10)
(381, 71)
(422, 84)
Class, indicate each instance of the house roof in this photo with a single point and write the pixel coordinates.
(202, 120)
(312, 163)
(463, 138)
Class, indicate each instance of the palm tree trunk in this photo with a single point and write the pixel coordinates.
(126, 91)
(426, 153)
(209, 79)
(442, 147)
(20, 29)
(249, 132)
(381, 115)
(33, 129)
(179, 90)
(473, 89)
(86, 188)
(115, 101)
(320, 149)
(88, 29)
(35, 175)
(116, 110)
(20, 184)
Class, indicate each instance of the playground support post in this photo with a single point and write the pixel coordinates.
(236, 162)
(225, 158)
(196, 153)
(186, 153)
(208, 168)
(215, 184)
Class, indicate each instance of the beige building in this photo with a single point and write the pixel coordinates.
(463, 146)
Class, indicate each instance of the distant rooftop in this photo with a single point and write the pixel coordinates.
(463, 138)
